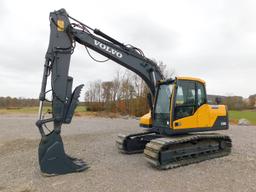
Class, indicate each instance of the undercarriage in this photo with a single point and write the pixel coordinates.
(167, 152)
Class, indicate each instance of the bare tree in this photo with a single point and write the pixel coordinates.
(166, 71)
(126, 93)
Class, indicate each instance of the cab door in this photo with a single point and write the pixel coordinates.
(190, 109)
(203, 109)
(184, 108)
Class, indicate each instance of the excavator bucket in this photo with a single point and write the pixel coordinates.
(52, 157)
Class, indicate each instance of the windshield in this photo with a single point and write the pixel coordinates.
(163, 99)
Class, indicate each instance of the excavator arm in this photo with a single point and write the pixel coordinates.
(63, 36)
(129, 57)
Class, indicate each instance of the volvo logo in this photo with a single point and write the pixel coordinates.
(108, 49)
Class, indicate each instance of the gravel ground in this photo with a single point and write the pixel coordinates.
(93, 140)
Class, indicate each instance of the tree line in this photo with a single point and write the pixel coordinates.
(235, 102)
(125, 94)
(10, 102)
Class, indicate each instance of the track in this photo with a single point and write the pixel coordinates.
(172, 152)
(135, 143)
(175, 151)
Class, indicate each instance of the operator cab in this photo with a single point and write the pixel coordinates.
(181, 106)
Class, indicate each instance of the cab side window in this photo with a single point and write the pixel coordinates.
(185, 103)
(185, 93)
(201, 95)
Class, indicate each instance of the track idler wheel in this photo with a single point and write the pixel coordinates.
(52, 158)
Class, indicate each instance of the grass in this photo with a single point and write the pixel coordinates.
(80, 111)
(33, 110)
(23, 110)
(234, 116)
(250, 115)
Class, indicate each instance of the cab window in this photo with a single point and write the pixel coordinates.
(185, 103)
(163, 99)
(201, 95)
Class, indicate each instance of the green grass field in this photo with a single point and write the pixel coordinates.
(234, 116)
(250, 115)
(33, 110)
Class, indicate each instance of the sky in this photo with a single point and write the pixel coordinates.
(212, 40)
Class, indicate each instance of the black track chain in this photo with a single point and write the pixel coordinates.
(154, 147)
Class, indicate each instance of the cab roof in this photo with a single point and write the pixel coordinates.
(191, 79)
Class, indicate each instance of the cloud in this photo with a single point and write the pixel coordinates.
(2, 11)
(147, 32)
(214, 40)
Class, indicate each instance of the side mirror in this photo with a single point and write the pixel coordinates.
(218, 100)
(150, 102)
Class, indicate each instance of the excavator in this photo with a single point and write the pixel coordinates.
(179, 128)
